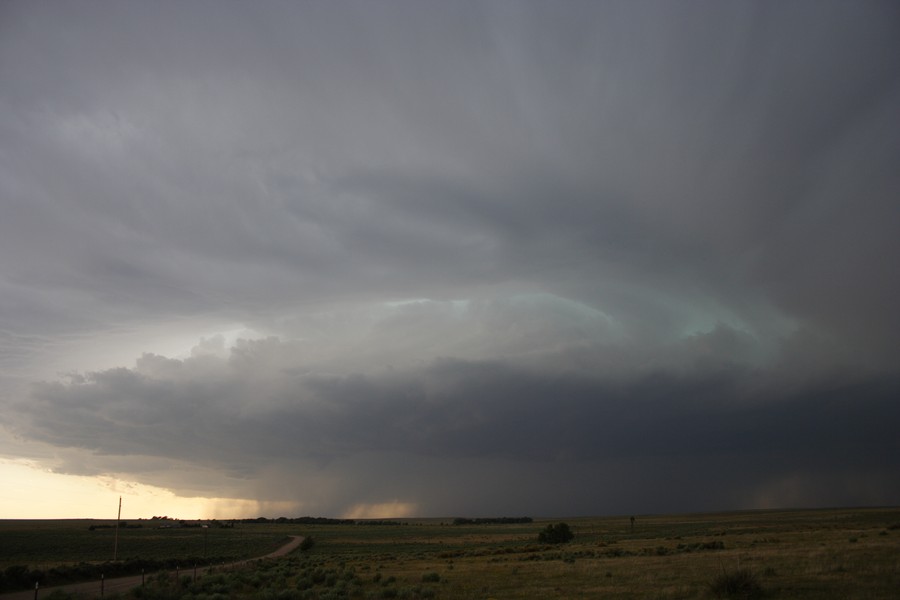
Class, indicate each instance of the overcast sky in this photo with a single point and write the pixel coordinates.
(452, 258)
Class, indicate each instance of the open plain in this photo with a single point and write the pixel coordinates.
(840, 553)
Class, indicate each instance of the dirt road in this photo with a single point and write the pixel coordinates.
(93, 589)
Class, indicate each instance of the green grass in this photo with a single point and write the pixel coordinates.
(41, 544)
(783, 554)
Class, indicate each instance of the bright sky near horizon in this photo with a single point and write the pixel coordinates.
(426, 258)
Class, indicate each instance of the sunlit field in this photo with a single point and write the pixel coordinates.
(852, 553)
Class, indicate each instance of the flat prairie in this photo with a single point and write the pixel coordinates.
(43, 544)
(791, 554)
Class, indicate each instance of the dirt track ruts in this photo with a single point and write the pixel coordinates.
(123, 584)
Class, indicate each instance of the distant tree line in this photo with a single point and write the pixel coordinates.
(492, 521)
(320, 521)
(301, 521)
(280, 520)
(122, 525)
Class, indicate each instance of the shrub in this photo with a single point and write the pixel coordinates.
(431, 577)
(742, 584)
(307, 543)
(18, 576)
(556, 534)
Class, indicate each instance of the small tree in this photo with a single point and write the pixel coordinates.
(556, 534)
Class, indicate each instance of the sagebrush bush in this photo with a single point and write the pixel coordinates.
(742, 584)
(556, 534)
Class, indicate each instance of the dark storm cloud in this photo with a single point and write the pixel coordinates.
(204, 412)
(595, 236)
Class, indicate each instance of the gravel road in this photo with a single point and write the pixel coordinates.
(92, 589)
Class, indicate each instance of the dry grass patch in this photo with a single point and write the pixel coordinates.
(790, 554)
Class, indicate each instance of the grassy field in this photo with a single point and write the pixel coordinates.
(852, 553)
(44, 544)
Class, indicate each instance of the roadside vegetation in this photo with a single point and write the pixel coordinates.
(820, 554)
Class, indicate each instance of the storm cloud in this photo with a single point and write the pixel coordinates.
(461, 258)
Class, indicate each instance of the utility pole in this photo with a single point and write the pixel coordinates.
(118, 518)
